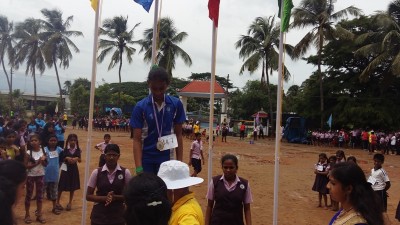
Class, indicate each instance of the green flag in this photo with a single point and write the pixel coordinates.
(287, 9)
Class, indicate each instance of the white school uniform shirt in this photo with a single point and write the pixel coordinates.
(39, 169)
(378, 179)
(102, 146)
(393, 140)
(197, 148)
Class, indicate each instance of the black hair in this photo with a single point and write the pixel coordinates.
(322, 155)
(107, 136)
(352, 158)
(146, 201)
(112, 147)
(12, 174)
(158, 73)
(341, 152)
(49, 137)
(380, 157)
(70, 136)
(197, 134)
(8, 132)
(230, 157)
(362, 197)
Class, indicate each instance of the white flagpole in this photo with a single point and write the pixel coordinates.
(278, 133)
(211, 117)
(91, 107)
(155, 32)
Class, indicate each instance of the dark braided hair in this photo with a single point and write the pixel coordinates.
(146, 201)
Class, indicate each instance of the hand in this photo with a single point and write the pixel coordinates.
(190, 162)
(109, 198)
(43, 158)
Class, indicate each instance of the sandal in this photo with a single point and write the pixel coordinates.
(40, 219)
(68, 208)
(59, 207)
(27, 220)
(56, 211)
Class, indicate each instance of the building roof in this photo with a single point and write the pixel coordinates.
(201, 89)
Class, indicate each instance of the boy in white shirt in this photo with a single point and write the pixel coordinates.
(102, 146)
(380, 180)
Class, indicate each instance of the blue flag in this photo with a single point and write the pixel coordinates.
(145, 3)
(329, 122)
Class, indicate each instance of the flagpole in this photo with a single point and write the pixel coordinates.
(211, 117)
(91, 107)
(278, 132)
(155, 32)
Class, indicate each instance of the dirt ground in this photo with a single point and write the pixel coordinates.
(297, 202)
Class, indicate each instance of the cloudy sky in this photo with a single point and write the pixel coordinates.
(190, 16)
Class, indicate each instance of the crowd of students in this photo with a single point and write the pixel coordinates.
(362, 200)
(369, 140)
(52, 168)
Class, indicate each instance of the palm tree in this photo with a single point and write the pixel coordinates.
(29, 50)
(259, 47)
(67, 86)
(58, 43)
(383, 44)
(167, 45)
(7, 43)
(320, 16)
(120, 40)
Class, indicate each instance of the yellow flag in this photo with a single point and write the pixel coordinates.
(94, 4)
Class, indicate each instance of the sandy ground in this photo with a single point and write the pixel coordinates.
(297, 202)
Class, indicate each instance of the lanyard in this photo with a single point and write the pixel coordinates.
(159, 128)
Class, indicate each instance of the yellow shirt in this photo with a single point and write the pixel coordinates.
(65, 117)
(196, 128)
(186, 211)
(10, 152)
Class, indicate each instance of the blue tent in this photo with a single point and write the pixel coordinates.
(295, 130)
(116, 112)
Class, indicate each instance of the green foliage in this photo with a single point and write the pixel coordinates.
(251, 99)
(224, 82)
(57, 43)
(168, 49)
(353, 102)
(80, 96)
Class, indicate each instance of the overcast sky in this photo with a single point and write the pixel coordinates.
(190, 16)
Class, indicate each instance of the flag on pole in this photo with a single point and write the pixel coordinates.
(213, 11)
(94, 4)
(145, 3)
(287, 10)
(56, 109)
(329, 122)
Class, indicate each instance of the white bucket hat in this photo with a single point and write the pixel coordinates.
(175, 174)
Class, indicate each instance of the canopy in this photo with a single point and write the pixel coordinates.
(116, 112)
(261, 114)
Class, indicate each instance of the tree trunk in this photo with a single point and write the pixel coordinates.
(34, 92)
(321, 90)
(9, 82)
(61, 108)
(270, 116)
(119, 73)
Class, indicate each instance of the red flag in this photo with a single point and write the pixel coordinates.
(213, 11)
